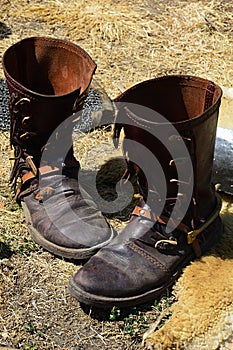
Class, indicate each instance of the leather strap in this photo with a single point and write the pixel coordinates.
(191, 235)
(147, 214)
(22, 191)
(28, 176)
(42, 170)
(46, 169)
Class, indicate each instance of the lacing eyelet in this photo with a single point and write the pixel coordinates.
(27, 135)
(168, 241)
(26, 122)
(175, 138)
(20, 103)
(179, 181)
(176, 161)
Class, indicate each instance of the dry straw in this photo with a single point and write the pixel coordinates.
(132, 41)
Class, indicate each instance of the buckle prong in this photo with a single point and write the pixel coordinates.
(192, 235)
(31, 164)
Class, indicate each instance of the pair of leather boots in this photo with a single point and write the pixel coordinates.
(169, 126)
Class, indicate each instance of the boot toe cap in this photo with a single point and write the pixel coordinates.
(100, 278)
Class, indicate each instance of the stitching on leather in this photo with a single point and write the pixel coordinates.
(148, 257)
(137, 122)
(19, 90)
(71, 47)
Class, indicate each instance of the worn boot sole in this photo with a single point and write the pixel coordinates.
(70, 253)
(216, 229)
(107, 302)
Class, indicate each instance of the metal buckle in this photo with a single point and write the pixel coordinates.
(31, 164)
(192, 235)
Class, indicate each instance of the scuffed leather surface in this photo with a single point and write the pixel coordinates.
(130, 265)
(48, 81)
(67, 218)
(143, 259)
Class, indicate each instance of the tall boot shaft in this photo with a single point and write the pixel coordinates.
(48, 80)
(188, 104)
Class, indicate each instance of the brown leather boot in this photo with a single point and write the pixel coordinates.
(177, 218)
(48, 82)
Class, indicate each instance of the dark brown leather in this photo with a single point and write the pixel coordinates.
(146, 257)
(48, 81)
(191, 105)
(65, 216)
(130, 271)
(43, 91)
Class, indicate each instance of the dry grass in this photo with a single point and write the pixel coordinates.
(130, 42)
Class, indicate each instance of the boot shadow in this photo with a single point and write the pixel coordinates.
(103, 184)
(119, 314)
(5, 251)
(4, 31)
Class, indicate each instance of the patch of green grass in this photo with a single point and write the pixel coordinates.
(14, 232)
(138, 318)
(13, 206)
(31, 347)
(21, 245)
(24, 246)
(30, 328)
(136, 323)
(115, 314)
